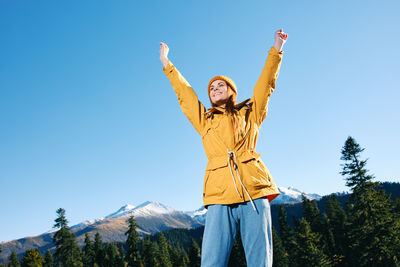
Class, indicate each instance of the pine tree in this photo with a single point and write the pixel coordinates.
(308, 247)
(312, 214)
(113, 257)
(157, 251)
(163, 257)
(357, 178)
(194, 254)
(88, 252)
(48, 259)
(280, 257)
(374, 232)
(149, 252)
(133, 254)
(373, 229)
(99, 251)
(328, 239)
(68, 253)
(173, 255)
(318, 225)
(183, 259)
(14, 261)
(335, 220)
(32, 258)
(396, 206)
(287, 235)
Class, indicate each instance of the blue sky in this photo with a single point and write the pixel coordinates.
(89, 121)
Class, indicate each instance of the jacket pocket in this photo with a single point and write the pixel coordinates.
(263, 173)
(215, 183)
(255, 176)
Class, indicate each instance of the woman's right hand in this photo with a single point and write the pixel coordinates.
(164, 53)
(280, 39)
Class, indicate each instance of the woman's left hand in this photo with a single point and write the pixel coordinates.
(280, 39)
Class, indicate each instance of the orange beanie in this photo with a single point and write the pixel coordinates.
(228, 81)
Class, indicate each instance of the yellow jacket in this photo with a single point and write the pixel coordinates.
(235, 172)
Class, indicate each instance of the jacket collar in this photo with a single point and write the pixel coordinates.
(237, 107)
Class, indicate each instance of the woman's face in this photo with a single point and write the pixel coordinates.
(219, 92)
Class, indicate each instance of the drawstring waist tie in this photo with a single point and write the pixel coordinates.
(232, 156)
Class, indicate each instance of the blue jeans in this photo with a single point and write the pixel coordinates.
(222, 223)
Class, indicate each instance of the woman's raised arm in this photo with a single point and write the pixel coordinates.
(266, 82)
(188, 100)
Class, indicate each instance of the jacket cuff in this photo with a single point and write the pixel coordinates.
(274, 51)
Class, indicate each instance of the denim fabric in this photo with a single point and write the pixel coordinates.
(222, 223)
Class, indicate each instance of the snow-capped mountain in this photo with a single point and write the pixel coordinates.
(122, 211)
(292, 195)
(147, 208)
(198, 214)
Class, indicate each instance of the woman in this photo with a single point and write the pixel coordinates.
(237, 185)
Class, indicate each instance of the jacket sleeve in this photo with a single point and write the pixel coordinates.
(190, 104)
(266, 84)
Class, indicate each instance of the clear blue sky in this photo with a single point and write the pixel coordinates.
(89, 121)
